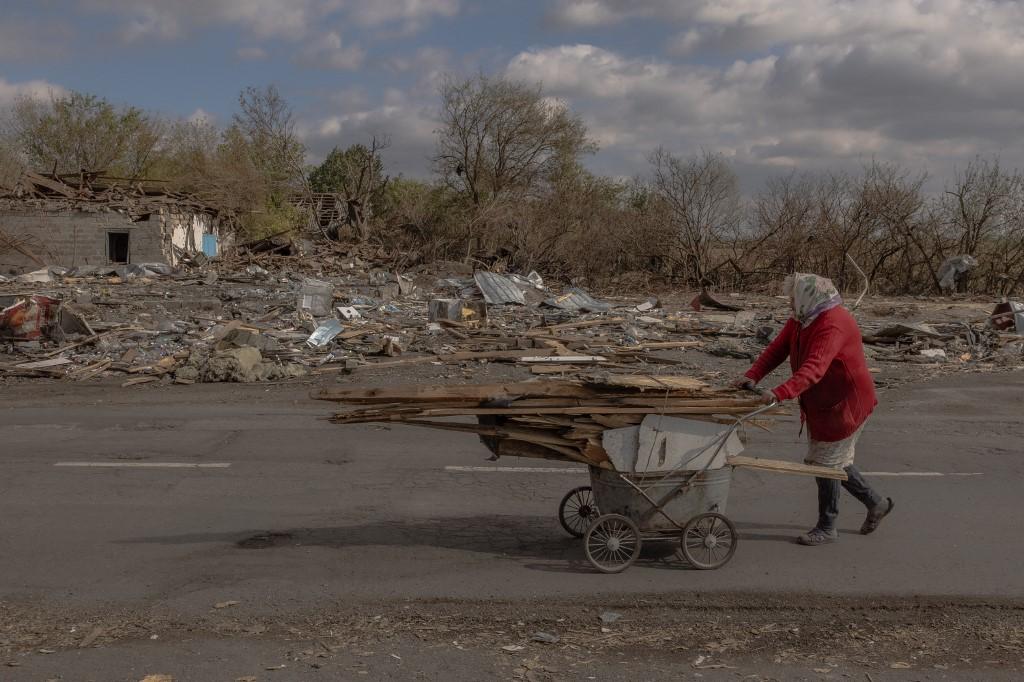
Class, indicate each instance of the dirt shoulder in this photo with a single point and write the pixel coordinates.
(561, 639)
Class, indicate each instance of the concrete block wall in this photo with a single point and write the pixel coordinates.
(78, 238)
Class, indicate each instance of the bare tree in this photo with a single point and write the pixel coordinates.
(11, 166)
(702, 198)
(500, 136)
(977, 201)
(267, 121)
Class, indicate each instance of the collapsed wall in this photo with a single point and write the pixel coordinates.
(45, 221)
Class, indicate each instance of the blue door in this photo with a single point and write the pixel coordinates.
(210, 245)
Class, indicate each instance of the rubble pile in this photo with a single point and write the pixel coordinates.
(272, 316)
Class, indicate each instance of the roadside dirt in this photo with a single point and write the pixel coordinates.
(548, 640)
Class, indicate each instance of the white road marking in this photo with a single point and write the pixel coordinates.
(915, 473)
(516, 470)
(146, 465)
(560, 470)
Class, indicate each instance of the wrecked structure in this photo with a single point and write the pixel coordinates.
(88, 220)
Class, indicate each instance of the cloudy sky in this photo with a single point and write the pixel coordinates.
(772, 84)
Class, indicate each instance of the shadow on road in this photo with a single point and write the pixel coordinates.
(519, 537)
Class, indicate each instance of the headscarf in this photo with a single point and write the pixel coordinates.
(812, 295)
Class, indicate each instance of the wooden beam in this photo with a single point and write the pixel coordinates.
(784, 467)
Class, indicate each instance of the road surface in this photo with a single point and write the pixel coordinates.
(167, 502)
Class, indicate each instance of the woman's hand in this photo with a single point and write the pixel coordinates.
(744, 383)
(767, 397)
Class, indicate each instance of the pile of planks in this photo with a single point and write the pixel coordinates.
(549, 419)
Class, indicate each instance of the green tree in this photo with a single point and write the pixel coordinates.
(78, 131)
(357, 175)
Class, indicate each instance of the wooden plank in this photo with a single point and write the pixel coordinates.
(574, 359)
(134, 381)
(539, 436)
(642, 382)
(617, 421)
(582, 410)
(665, 345)
(553, 369)
(414, 393)
(784, 467)
(44, 364)
(541, 331)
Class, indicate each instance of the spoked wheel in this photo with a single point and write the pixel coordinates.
(612, 543)
(709, 541)
(578, 510)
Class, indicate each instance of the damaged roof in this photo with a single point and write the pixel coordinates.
(94, 191)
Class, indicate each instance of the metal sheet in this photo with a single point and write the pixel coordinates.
(577, 299)
(499, 290)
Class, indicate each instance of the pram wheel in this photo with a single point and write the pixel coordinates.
(612, 543)
(709, 541)
(578, 510)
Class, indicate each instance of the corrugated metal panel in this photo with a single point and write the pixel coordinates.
(499, 290)
(577, 299)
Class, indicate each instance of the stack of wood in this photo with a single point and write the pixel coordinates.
(561, 420)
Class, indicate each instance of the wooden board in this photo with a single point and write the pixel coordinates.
(784, 467)
(664, 383)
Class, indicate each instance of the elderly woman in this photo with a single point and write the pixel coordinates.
(835, 390)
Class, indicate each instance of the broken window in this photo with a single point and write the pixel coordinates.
(117, 247)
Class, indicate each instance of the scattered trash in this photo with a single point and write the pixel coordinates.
(316, 297)
(91, 638)
(609, 617)
(225, 604)
(902, 329)
(392, 346)
(706, 300)
(953, 271)
(264, 317)
(324, 334)
(577, 300)
(934, 353)
(545, 638)
(512, 648)
(456, 310)
(1008, 315)
(27, 318)
(650, 304)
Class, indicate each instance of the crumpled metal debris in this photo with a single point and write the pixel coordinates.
(498, 289)
(577, 300)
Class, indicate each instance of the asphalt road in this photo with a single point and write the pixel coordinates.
(288, 511)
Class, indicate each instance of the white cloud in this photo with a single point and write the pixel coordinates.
(200, 115)
(277, 19)
(591, 13)
(407, 121)
(916, 100)
(328, 51)
(34, 89)
(409, 12)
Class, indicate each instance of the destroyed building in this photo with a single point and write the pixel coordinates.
(88, 220)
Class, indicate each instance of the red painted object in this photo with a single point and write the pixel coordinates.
(830, 374)
(28, 318)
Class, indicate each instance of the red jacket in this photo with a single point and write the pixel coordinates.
(830, 373)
